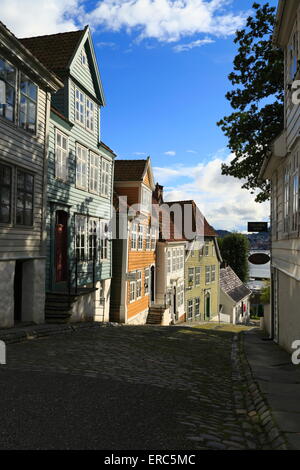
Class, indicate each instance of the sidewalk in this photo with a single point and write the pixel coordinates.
(279, 382)
(22, 333)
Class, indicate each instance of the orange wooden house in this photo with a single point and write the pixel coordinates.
(133, 265)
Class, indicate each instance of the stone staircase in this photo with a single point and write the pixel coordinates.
(155, 315)
(58, 307)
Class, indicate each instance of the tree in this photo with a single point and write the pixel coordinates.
(257, 100)
(235, 250)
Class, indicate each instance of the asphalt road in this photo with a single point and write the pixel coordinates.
(123, 388)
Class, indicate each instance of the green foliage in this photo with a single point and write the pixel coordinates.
(235, 250)
(257, 100)
(265, 295)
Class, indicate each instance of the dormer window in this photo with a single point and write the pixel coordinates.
(146, 199)
(84, 60)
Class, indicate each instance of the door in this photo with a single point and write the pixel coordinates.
(152, 285)
(61, 246)
(18, 280)
(207, 305)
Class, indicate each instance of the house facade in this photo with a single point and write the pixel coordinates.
(281, 168)
(202, 277)
(80, 181)
(25, 98)
(134, 246)
(234, 298)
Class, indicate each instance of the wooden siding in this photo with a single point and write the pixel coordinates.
(83, 74)
(22, 150)
(132, 193)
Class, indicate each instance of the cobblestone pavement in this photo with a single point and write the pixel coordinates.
(127, 388)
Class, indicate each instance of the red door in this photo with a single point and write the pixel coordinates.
(61, 246)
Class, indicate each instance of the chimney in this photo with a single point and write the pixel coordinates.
(159, 193)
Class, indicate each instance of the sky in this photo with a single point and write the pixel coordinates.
(164, 67)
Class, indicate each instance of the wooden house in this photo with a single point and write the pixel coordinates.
(80, 180)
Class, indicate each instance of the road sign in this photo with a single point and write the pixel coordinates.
(256, 227)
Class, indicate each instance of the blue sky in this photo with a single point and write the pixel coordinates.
(164, 72)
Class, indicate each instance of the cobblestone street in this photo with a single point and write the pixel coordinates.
(128, 388)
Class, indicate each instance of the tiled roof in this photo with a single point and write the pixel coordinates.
(208, 230)
(55, 50)
(231, 284)
(129, 170)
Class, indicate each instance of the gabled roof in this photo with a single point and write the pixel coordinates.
(28, 59)
(58, 51)
(231, 284)
(130, 170)
(55, 51)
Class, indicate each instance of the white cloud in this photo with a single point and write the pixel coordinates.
(111, 45)
(191, 45)
(167, 20)
(171, 153)
(39, 17)
(219, 197)
(192, 151)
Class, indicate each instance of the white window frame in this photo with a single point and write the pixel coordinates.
(286, 203)
(207, 274)
(93, 238)
(206, 249)
(132, 292)
(197, 276)
(104, 240)
(169, 261)
(213, 273)
(153, 239)
(81, 173)
(89, 115)
(138, 288)
(81, 222)
(146, 199)
(190, 309)
(191, 278)
(61, 164)
(133, 244)
(148, 238)
(140, 241)
(79, 106)
(105, 178)
(147, 281)
(197, 304)
(94, 173)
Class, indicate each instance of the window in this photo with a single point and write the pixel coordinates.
(81, 167)
(61, 156)
(153, 239)
(201, 252)
(173, 260)
(206, 249)
(83, 58)
(146, 199)
(134, 236)
(197, 307)
(93, 239)
(24, 211)
(138, 284)
(5, 194)
(295, 200)
(132, 291)
(207, 274)
(191, 278)
(140, 237)
(8, 80)
(104, 232)
(89, 115)
(286, 199)
(148, 238)
(197, 276)
(80, 237)
(79, 106)
(94, 173)
(190, 309)
(213, 273)
(181, 260)
(105, 178)
(169, 262)
(28, 104)
(147, 281)
(180, 294)
(293, 55)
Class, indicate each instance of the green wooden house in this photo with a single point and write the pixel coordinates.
(79, 185)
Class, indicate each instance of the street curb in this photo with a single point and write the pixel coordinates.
(261, 412)
(18, 335)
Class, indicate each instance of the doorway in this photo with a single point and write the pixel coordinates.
(175, 304)
(152, 285)
(61, 246)
(18, 291)
(207, 306)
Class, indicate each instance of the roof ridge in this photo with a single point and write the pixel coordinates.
(65, 33)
